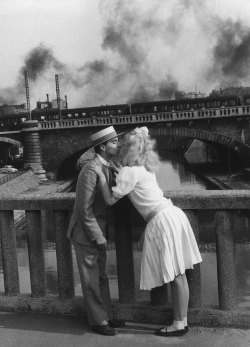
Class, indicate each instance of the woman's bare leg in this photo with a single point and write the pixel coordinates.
(179, 298)
(186, 290)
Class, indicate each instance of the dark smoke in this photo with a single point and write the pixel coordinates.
(39, 60)
(232, 52)
(146, 55)
(118, 40)
(141, 94)
(92, 70)
(129, 33)
(167, 89)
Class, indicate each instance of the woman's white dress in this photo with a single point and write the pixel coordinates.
(169, 244)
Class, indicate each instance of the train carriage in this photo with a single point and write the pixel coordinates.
(13, 119)
(246, 99)
(185, 104)
(83, 112)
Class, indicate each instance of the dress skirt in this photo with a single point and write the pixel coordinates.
(169, 248)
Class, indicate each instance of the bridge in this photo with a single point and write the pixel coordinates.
(48, 145)
(51, 146)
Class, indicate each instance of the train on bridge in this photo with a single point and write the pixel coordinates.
(12, 121)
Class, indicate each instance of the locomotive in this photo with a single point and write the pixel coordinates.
(13, 119)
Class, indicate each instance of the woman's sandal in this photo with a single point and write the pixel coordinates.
(167, 333)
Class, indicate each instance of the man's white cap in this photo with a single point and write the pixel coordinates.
(103, 135)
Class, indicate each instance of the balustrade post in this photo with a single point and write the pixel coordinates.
(64, 256)
(9, 255)
(225, 260)
(194, 276)
(36, 255)
(124, 251)
(159, 295)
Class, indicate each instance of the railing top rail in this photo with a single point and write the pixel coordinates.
(193, 199)
(154, 117)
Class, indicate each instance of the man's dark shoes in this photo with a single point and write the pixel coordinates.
(116, 323)
(104, 330)
(166, 333)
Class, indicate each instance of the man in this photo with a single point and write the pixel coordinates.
(87, 230)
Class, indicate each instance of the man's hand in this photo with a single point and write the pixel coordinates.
(101, 242)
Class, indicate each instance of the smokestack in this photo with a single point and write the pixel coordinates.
(66, 102)
(27, 93)
(58, 96)
(47, 101)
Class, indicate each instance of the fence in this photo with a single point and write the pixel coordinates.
(10, 176)
(223, 202)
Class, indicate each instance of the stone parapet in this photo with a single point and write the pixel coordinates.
(187, 200)
(226, 313)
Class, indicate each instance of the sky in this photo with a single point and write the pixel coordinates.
(121, 51)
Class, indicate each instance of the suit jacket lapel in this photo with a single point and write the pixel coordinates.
(105, 169)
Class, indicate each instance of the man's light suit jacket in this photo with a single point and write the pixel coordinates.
(89, 217)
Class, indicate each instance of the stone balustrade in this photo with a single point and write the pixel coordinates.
(156, 117)
(223, 202)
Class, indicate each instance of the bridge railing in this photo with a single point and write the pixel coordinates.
(156, 117)
(223, 202)
(9, 176)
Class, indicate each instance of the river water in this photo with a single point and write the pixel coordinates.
(173, 175)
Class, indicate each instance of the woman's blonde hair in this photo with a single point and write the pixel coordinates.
(138, 149)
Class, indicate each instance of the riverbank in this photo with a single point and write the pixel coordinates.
(218, 178)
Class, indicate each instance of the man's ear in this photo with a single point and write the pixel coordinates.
(103, 147)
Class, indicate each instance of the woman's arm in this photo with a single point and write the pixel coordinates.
(109, 198)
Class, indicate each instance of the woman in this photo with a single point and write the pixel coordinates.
(169, 244)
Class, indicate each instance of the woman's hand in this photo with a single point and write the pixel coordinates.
(114, 167)
(103, 184)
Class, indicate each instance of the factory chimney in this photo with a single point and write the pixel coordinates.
(58, 96)
(47, 101)
(27, 93)
(66, 102)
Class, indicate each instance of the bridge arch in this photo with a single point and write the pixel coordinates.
(203, 135)
(10, 141)
(68, 166)
(62, 157)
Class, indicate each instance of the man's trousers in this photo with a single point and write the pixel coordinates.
(91, 262)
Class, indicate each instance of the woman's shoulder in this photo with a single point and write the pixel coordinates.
(128, 172)
(134, 173)
(132, 169)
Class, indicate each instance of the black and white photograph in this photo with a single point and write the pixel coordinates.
(125, 173)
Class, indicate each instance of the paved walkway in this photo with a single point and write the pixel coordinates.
(33, 330)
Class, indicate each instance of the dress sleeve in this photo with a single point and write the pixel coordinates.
(126, 180)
